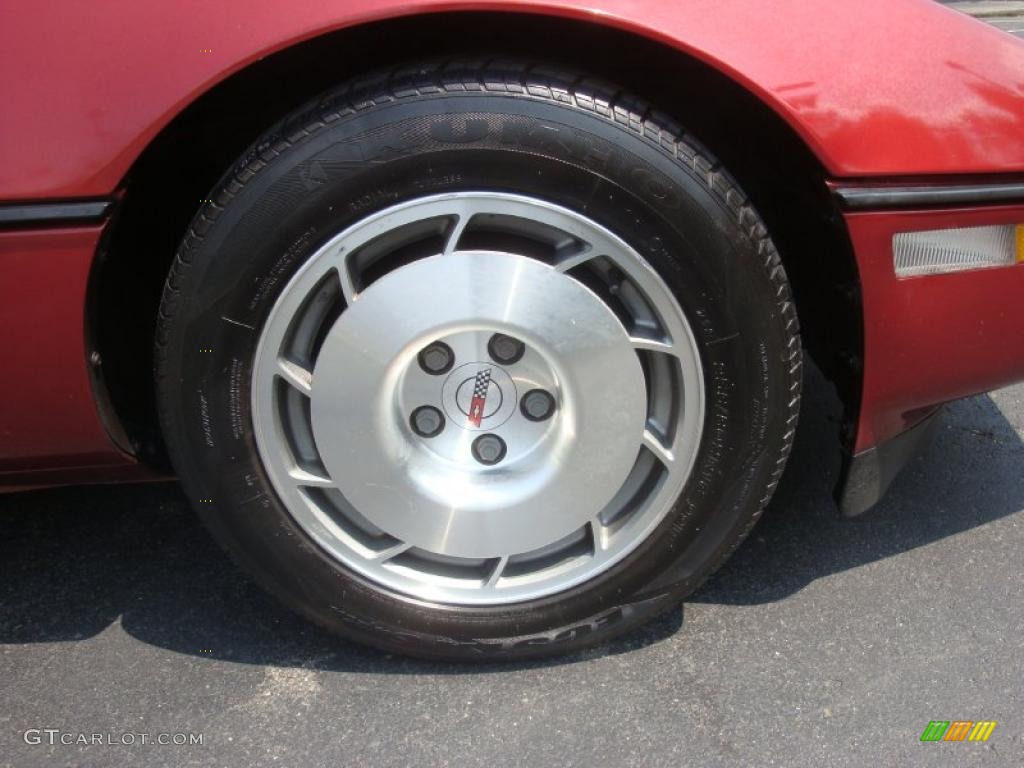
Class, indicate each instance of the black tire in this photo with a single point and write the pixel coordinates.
(507, 127)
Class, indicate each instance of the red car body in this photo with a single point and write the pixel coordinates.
(884, 94)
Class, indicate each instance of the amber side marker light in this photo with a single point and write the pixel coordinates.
(953, 250)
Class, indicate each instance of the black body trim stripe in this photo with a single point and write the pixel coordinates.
(892, 197)
(21, 214)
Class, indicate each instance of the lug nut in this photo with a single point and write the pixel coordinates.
(427, 421)
(488, 449)
(504, 349)
(437, 358)
(537, 405)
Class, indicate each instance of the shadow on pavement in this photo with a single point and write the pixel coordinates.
(75, 561)
(969, 476)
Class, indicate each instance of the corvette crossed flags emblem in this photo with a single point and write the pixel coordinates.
(476, 405)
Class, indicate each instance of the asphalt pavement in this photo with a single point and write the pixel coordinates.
(1012, 24)
(1007, 15)
(823, 642)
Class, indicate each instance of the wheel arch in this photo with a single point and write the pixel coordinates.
(203, 140)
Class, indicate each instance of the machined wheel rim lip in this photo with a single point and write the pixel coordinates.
(655, 360)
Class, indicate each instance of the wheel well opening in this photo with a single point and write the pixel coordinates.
(166, 185)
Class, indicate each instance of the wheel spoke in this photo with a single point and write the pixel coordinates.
(652, 345)
(455, 231)
(573, 256)
(495, 574)
(299, 377)
(662, 452)
(347, 280)
(599, 534)
(388, 553)
(303, 477)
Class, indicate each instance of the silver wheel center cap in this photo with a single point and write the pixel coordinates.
(432, 492)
